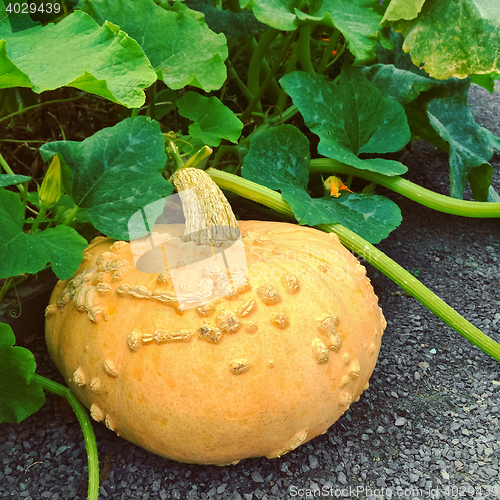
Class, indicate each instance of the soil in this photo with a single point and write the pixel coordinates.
(430, 420)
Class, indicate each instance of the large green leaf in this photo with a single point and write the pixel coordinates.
(20, 395)
(350, 117)
(29, 253)
(115, 172)
(278, 159)
(400, 84)
(357, 20)
(454, 37)
(371, 216)
(212, 120)
(180, 46)
(471, 146)
(437, 111)
(79, 53)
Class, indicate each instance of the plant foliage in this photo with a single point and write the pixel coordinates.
(282, 90)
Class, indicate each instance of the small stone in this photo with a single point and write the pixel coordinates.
(342, 479)
(257, 477)
(60, 450)
(445, 475)
(400, 421)
(313, 462)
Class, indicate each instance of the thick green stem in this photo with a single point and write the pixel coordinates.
(173, 151)
(39, 218)
(268, 79)
(88, 432)
(289, 67)
(239, 82)
(150, 92)
(305, 47)
(198, 157)
(409, 283)
(371, 254)
(332, 43)
(257, 59)
(411, 190)
(71, 216)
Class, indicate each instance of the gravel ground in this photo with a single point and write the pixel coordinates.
(428, 427)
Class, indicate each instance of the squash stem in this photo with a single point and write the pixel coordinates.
(260, 91)
(411, 190)
(304, 42)
(371, 254)
(85, 424)
(257, 59)
(332, 43)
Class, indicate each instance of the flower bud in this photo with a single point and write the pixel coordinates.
(51, 189)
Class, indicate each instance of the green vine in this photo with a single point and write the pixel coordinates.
(411, 190)
(85, 424)
(371, 254)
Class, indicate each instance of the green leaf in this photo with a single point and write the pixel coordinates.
(454, 37)
(357, 20)
(29, 253)
(181, 48)
(400, 84)
(471, 146)
(350, 117)
(12, 180)
(212, 120)
(115, 172)
(278, 158)
(78, 53)
(20, 395)
(486, 81)
(232, 24)
(370, 216)
(437, 111)
(413, 89)
(403, 9)
(279, 14)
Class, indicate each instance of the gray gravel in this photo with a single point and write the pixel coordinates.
(428, 427)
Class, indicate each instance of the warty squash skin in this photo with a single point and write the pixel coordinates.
(254, 374)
